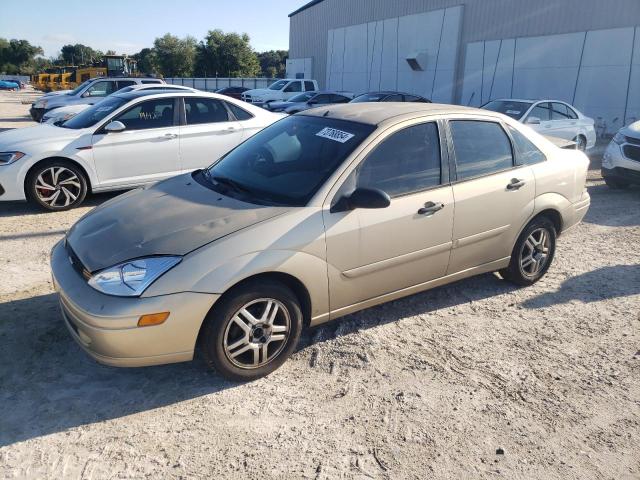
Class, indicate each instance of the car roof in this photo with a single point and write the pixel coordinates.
(529, 100)
(167, 93)
(376, 113)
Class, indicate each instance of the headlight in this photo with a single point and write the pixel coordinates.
(619, 138)
(9, 157)
(41, 104)
(131, 279)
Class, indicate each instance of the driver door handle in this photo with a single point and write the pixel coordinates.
(227, 131)
(430, 208)
(515, 184)
(170, 135)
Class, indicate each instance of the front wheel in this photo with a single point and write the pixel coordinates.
(532, 254)
(251, 331)
(56, 185)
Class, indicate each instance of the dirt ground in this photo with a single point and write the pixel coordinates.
(478, 379)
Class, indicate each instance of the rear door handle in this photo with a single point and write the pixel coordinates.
(227, 131)
(170, 135)
(515, 184)
(430, 208)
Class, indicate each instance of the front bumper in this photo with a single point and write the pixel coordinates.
(12, 181)
(106, 326)
(621, 174)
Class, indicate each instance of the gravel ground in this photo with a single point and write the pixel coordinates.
(478, 379)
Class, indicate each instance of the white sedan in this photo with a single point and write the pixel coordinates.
(551, 118)
(63, 114)
(125, 141)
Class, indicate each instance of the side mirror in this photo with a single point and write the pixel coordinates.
(362, 198)
(115, 127)
(533, 121)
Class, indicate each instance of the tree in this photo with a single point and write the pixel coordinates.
(175, 56)
(273, 63)
(17, 56)
(147, 60)
(79, 54)
(226, 54)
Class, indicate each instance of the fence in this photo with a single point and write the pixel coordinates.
(211, 84)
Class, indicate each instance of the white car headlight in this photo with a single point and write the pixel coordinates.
(619, 138)
(9, 157)
(131, 279)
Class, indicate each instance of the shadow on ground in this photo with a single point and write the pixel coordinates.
(16, 209)
(625, 214)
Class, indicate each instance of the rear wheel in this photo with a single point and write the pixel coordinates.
(251, 331)
(532, 254)
(581, 143)
(56, 185)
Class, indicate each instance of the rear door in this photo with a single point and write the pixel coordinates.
(493, 195)
(563, 125)
(208, 131)
(146, 151)
(292, 89)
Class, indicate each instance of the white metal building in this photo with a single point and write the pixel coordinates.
(585, 52)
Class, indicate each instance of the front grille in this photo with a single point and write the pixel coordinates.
(632, 152)
(77, 264)
(632, 141)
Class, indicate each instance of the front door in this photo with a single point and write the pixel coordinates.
(209, 133)
(146, 151)
(494, 196)
(374, 252)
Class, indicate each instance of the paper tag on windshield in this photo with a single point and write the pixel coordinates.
(513, 112)
(336, 135)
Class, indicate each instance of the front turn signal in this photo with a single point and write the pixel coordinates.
(153, 319)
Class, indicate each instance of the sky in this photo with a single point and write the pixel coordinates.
(127, 26)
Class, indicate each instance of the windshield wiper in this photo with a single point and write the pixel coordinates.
(229, 182)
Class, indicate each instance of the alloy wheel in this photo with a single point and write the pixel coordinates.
(58, 187)
(535, 252)
(257, 333)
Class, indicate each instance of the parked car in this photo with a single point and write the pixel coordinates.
(87, 93)
(233, 92)
(9, 85)
(279, 91)
(62, 114)
(313, 218)
(307, 100)
(621, 160)
(125, 141)
(552, 118)
(389, 97)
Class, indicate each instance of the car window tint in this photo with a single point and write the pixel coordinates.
(125, 83)
(101, 89)
(150, 114)
(151, 81)
(528, 153)
(559, 111)
(393, 98)
(294, 87)
(239, 113)
(408, 161)
(205, 110)
(542, 111)
(309, 86)
(322, 99)
(481, 148)
(572, 113)
(339, 99)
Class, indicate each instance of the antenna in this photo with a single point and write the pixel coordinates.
(326, 114)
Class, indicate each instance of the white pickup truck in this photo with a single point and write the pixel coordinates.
(280, 90)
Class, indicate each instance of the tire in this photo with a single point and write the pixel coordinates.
(581, 143)
(56, 185)
(527, 249)
(615, 184)
(230, 338)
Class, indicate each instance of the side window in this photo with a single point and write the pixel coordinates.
(205, 110)
(481, 148)
(239, 113)
(309, 86)
(408, 161)
(150, 114)
(322, 98)
(528, 153)
(559, 111)
(572, 114)
(100, 89)
(542, 111)
(339, 99)
(393, 98)
(125, 83)
(150, 81)
(294, 87)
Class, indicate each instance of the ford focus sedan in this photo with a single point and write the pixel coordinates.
(319, 215)
(124, 141)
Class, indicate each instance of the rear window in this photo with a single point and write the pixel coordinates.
(510, 108)
(239, 113)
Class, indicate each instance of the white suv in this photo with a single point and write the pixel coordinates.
(621, 160)
(279, 91)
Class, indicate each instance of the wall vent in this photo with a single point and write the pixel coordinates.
(417, 61)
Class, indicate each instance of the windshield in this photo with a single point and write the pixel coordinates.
(95, 113)
(368, 97)
(508, 107)
(303, 97)
(279, 85)
(80, 87)
(287, 162)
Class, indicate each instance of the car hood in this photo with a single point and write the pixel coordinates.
(22, 139)
(632, 130)
(259, 91)
(173, 217)
(56, 93)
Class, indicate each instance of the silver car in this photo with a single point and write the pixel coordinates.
(319, 215)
